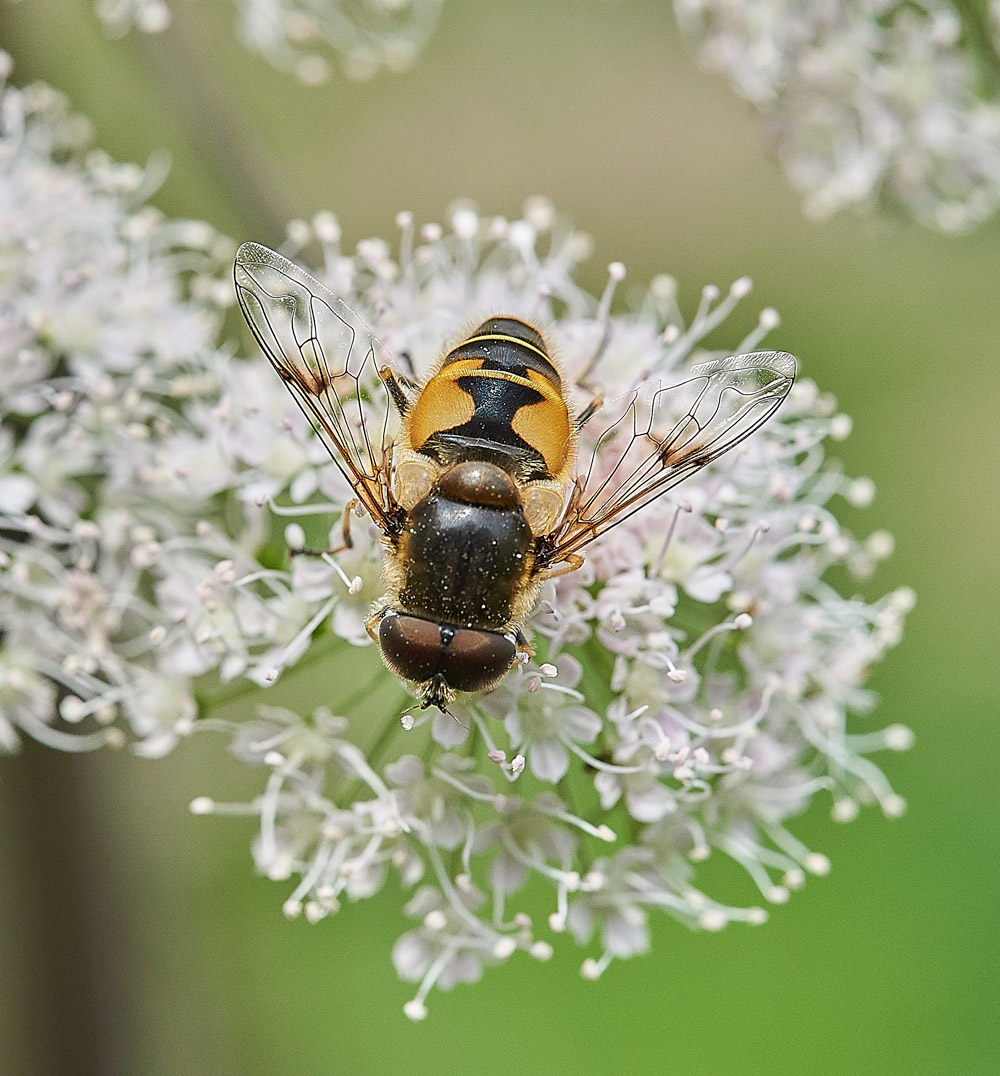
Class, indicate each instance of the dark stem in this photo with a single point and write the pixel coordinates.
(69, 953)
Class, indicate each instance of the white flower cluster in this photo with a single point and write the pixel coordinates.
(693, 683)
(869, 102)
(132, 452)
(296, 35)
(694, 679)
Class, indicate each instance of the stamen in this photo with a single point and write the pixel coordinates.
(593, 969)
(495, 754)
(867, 772)
(768, 321)
(366, 855)
(894, 737)
(272, 741)
(355, 758)
(739, 623)
(264, 573)
(562, 909)
(598, 764)
(269, 814)
(475, 924)
(776, 894)
(706, 319)
(62, 741)
(416, 1009)
(616, 274)
(522, 238)
(667, 540)
(499, 902)
(649, 892)
(294, 648)
(74, 709)
(814, 862)
(504, 947)
(316, 869)
(700, 849)
(404, 221)
(299, 509)
(541, 950)
(762, 528)
(570, 880)
(450, 779)
(571, 692)
(601, 832)
(470, 838)
(353, 585)
(778, 860)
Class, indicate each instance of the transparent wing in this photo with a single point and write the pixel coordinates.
(661, 433)
(330, 362)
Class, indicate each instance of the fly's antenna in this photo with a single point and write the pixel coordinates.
(438, 696)
(440, 703)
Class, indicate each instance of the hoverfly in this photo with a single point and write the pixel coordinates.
(476, 490)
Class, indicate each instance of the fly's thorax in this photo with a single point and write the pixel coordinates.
(415, 475)
(466, 550)
(480, 484)
(496, 397)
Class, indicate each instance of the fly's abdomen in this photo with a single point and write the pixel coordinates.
(496, 398)
(466, 548)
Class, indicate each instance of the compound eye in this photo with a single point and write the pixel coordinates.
(411, 647)
(466, 659)
(475, 660)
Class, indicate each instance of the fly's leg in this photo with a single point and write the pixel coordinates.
(397, 388)
(381, 479)
(572, 563)
(583, 377)
(573, 504)
(583, 382)
(596, 402)
(348, 542)
(407, 360)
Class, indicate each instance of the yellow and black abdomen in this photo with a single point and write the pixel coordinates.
(498, 398)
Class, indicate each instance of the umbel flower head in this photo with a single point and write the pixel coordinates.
(298, 35)
(694, 681)
(870, 103)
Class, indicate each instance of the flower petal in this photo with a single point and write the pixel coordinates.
(548, 759)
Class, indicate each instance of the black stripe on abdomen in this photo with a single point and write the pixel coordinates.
(507, 355)
(489, 435)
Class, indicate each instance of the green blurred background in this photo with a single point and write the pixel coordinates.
(137, 940)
